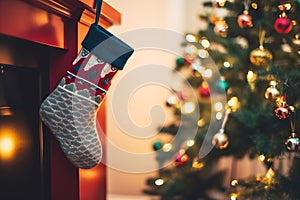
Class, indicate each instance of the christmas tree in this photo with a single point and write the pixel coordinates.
(255, 46)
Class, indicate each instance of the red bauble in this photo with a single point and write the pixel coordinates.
(245, 21)
(181, 159)
(283, 111)
(283, 25)
(204, 90)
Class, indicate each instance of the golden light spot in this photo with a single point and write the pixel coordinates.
(7, 147)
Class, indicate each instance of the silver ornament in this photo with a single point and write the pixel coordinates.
(171, 100)
(292, 143)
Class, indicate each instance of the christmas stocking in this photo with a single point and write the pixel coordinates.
(70, 110)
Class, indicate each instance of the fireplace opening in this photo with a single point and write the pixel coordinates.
(20, 147)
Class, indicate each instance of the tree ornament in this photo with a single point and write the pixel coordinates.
(172, 100)
(234, 183)
(234, 196)
(181, 159)
(283, 111)
(292, 143)
(279, 100)
(221, 28)
(245, 20)
(296, 40)
(286, 48)
(260, 57)
(180, 62)
(222, 85)
(272, 93)
(251, 77)
(285, 6)
(197, 164)
(219, 3)
(220, 139)
(157, 145)
(197, 68)
(204, 89)
(191, 53)
(283, 24)
(233, 103)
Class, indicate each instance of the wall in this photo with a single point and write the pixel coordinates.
(137, 15)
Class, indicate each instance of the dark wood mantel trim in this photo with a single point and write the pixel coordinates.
(70, 9)
(81, 11)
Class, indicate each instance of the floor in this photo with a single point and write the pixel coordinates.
(126, 197)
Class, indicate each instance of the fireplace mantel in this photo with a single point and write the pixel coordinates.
(50, 32)
(81, 11)
(43, 21)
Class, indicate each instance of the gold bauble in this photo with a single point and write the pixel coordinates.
(272, 93)
(221, 28)
(279, 101)
(260, 57)
(220, 140)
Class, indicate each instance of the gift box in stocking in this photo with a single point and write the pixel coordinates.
(70, 110)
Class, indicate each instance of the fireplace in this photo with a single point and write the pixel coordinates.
(21, 162)
(38, 41)
(24, 147)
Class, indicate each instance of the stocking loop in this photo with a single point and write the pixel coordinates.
(98, 10)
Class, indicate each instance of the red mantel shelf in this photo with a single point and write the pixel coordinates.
(42, 21)
(60, 25)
